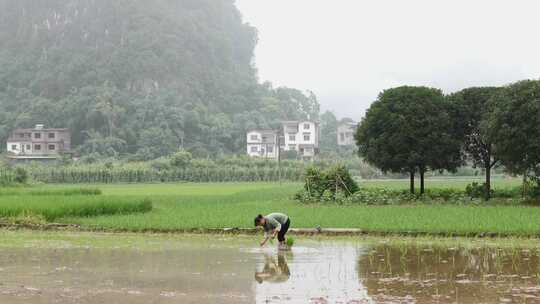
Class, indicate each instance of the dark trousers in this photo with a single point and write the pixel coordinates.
(284, 229)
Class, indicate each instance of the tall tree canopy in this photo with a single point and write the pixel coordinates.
(162, 73)
(471, 107)
(515, 126)
(409, 129)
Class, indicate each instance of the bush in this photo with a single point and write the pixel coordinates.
(181, 159)
(20, 176)
(328, 185)
(476, 190)
(532, 187)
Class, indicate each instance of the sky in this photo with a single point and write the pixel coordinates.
(348, 51)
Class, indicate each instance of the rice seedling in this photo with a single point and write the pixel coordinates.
(13, 191)
(55, 207)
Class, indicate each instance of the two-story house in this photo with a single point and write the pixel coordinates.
(302, 137)
(345, 133)
(38, 143)
(262, 143)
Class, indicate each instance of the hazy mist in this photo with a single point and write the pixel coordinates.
(347, 51)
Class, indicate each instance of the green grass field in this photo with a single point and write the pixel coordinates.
(186, 206)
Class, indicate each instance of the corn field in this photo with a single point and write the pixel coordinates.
(7, 177)
(88, 175)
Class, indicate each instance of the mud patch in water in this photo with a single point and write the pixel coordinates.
(420, 274)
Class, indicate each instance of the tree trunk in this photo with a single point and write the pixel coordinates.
(422, 187)
(412, 182)
(488, 180)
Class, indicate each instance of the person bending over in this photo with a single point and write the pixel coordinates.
(274, 224)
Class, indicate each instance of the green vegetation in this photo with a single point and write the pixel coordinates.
(415, 129)
(49, 192)
(290, 241)
(52, 208)
(335, 186)
(408, 129)
(332, 184)
(138, 79)
(179, 207)
(513, 122)
(470, 110)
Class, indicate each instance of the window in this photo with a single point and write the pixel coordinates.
(342, 136)
(306, 126)
(307, 137)
(13, 147)
(254, 137)
(28, 148)
(270, 149)
(37, 147)
(292, 147)
(308, 150)
(37, 135)
(52, 135)
(292, 137)
(264, 138)
(254, 149)
(52, 147)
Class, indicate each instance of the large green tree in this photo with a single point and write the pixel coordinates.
(408, 129)
(471, 107)
(514, 123)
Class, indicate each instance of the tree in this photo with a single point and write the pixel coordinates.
(329, 124)
(408, 129)
(470, 110)
(514, 125)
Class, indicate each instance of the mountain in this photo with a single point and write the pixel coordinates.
(138, 77)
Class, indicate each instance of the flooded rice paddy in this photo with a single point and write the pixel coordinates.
(89, 268)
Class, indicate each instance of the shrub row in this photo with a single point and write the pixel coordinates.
(366, 196)
(51, 208)
(14, 191)
(142, 175)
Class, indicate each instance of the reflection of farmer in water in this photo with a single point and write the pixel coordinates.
(274, 272)
(274, 224)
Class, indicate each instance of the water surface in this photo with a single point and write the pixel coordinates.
(60, 268)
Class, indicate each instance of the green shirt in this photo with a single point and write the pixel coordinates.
(274, 221)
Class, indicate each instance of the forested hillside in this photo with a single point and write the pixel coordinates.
(137, 77)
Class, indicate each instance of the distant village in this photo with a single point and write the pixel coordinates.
(301, 138)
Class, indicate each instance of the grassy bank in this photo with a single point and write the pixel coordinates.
(187, 206)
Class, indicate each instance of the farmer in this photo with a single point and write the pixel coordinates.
(274, 224)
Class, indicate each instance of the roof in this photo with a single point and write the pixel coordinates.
(291, 122)
(51, 156)
(263, 131)
(38, 130)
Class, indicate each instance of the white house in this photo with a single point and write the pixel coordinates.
(263, 144)
(345, 133)
(301, 136)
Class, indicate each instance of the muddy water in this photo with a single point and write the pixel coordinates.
(226, 270)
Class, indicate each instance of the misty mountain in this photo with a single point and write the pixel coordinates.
(138, 77)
